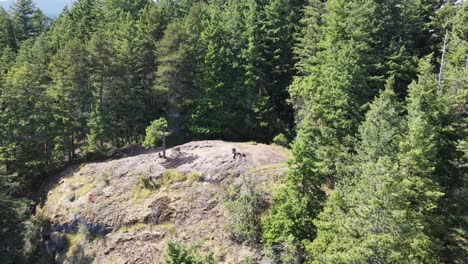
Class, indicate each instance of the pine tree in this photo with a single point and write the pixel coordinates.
(98, 131)
(7, 35)
(23, 11)
(418, 154)
(14, 214)
(150, 28)
(25, 113)
(224, 109)
(453, 132)
(174, 77)
(279, 24)
(39, 22)
(381, 136)
(71, 93)
(373, 210)
(128, 94)
(307, 43)
(102, 71)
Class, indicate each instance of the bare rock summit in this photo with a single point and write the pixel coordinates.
(125, 210)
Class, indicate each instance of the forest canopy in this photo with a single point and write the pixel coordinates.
(372, 95)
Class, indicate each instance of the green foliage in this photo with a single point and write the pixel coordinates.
(94, 78)
(281, 140)
(177, 253)
(14, 217)
(7, 34)
(169, 177)
(381, 132)
(98, 130)
(377, 199)
(155, 132)
(195, 176)
(144, 189)
(370, 216)
(22, 16)
(244, 204)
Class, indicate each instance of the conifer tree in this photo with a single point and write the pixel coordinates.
(279, 24)
(71, 93)
(372, 211)
(39, 22)
(453, 132)
(14, 214)
(349, 65)
(23, 11)
(98, 130)
(174, 77)
(7, 35)
(26, 114)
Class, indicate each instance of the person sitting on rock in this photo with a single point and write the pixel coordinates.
(235, 153)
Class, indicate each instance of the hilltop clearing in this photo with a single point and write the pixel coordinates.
(126, 210)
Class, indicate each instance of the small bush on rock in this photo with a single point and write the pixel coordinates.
(177, 253)
(154, 133)
(281, 140)
(244, 204)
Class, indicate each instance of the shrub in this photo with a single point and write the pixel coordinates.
(76, 244)
(169, 177)
(244, 204)
(281, 140)
(195, 176)
(105, 177)
(144, 188)
(177, 253)
(248, 260)
(154, 133)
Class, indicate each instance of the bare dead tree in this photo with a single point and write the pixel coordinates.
(442, 62)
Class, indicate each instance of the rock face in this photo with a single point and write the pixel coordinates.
(113, 212)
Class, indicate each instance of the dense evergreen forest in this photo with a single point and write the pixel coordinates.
(371, 93)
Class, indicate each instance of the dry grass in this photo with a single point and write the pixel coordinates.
(194, 176)
(133, 228)
(169, 177)
(270, 167)
(169, 228)
(74, 242)
(140, 192)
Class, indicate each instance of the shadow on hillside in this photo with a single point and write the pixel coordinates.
(178, 160)
(133, 150)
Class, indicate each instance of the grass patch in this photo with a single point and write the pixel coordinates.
(139, 193)
(168, 228)
(270, 167)
(105, 177)
(194, 176)
(84, 189)
(146, 186)
(251, 143)
(135, 227)
(169, 177)
(75, 241)
(83, 186)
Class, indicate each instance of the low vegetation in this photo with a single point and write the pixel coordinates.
(170, 177)
(281, 140)
(148, 185)
(371, 97)
(244, 205)
(76, 244)
(178, 253)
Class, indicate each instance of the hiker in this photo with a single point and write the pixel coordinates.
(235, 153)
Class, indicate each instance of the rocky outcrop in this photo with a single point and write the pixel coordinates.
(119, 211)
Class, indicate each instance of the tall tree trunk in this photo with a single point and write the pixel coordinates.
(442, 62)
